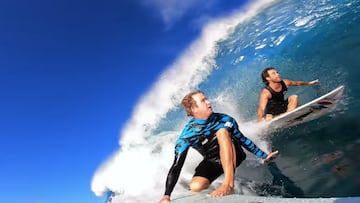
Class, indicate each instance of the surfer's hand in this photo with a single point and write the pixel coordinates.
(165, 199)
(313, 82)
(222, 191)
(271, 156)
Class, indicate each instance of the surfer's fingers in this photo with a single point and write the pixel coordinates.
(314, 82)
(271, 156)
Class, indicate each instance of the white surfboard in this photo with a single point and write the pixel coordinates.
(236, 198)
(309, 111)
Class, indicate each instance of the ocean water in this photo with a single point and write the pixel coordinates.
(303, 40)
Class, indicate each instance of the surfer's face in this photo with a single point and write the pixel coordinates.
(202, 109)
(274, 76)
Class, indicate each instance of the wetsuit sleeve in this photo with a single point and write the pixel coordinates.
(174, 172)
(233, 127)
(251, 147)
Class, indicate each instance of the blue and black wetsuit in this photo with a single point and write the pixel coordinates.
(201, 135)
(277, 104)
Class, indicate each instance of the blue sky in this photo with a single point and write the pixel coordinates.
(70, 75)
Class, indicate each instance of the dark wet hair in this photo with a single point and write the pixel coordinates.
(265, 74)
(189, 102)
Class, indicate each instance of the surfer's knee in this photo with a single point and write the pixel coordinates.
(293, 98)
(292, 102)
(198, 184)
(268, 117)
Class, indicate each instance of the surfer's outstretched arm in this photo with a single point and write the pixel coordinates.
(299, 83)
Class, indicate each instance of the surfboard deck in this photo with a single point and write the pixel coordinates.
(309, 111)
(236, 198)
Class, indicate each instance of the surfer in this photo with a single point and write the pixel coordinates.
(217, 138)
(272, 98)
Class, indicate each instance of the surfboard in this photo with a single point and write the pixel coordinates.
(309, 111)
(236, 198)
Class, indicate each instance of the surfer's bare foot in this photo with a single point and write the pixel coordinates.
(222, 191)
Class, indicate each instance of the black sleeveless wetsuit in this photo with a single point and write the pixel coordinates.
(277, 104)
(201, 135)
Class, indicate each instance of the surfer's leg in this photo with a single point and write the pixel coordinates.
(268, 117)
(293, 102)
(206, 172)
(199, 183)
